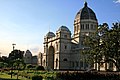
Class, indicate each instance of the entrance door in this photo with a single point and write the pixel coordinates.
(51, 57)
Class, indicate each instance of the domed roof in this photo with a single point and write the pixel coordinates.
(63, 28)
(50, 34)
(86, 13)
(28, 53)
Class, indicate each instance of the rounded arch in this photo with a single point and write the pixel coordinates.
(51, 52)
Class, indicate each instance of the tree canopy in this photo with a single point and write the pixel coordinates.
(105, 44)
(16, 54)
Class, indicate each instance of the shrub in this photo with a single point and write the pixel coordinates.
(29, 66)
(37, 78)
(50, 78)
(87, 76)
(40, 68)
(9, 73)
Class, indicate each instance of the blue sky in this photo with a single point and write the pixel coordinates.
(26, 22)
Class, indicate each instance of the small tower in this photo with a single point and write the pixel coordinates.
(64, 36)
(85, 23)
(28, 57)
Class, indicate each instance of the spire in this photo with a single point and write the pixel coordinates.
(85, 4)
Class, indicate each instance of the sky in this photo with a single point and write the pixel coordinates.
(26, 22)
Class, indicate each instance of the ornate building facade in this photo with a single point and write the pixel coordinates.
(61, 51)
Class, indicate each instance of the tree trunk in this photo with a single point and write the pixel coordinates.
(11, 71)
(17, 72)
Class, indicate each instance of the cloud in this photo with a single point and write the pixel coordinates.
(35, 49)
(116, 1)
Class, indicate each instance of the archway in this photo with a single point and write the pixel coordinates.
(51, 57)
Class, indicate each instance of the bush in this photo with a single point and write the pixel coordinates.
(37, 78)
(87, 76)
(50, 78)
(40, 68)
(29, 66)
(9, 73)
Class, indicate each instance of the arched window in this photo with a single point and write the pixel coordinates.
(57, 46)
(65, 59)
(56, 63)
(75, 28)
(44, 62)
(65, 46)
(65, 36)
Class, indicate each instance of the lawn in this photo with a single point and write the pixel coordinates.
(5, 76)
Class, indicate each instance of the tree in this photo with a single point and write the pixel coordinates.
(14, 55)
(105, 45)
(94, 51)
(18, 63)
(4, 59)
(111, 42)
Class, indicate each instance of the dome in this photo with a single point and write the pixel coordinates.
(86, 13)
(28, 53)
(63, 28)
(50, 34)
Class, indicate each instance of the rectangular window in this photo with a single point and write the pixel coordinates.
(81, 63)
(76, 63)
(94, 27)
(91, 26)
(82, 26)
(72, 64)
(82, 42)
(87, 26)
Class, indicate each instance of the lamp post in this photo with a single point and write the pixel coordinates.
(13, 46)
(13, 52)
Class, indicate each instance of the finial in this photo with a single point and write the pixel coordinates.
(85, 3)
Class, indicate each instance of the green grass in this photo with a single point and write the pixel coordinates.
(29, 73)
(5, 76)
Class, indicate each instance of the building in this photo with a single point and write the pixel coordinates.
(63, 51)
(40, 56)
(29, 59)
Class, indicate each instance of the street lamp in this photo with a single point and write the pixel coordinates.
(13, 46)
(13, 52)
